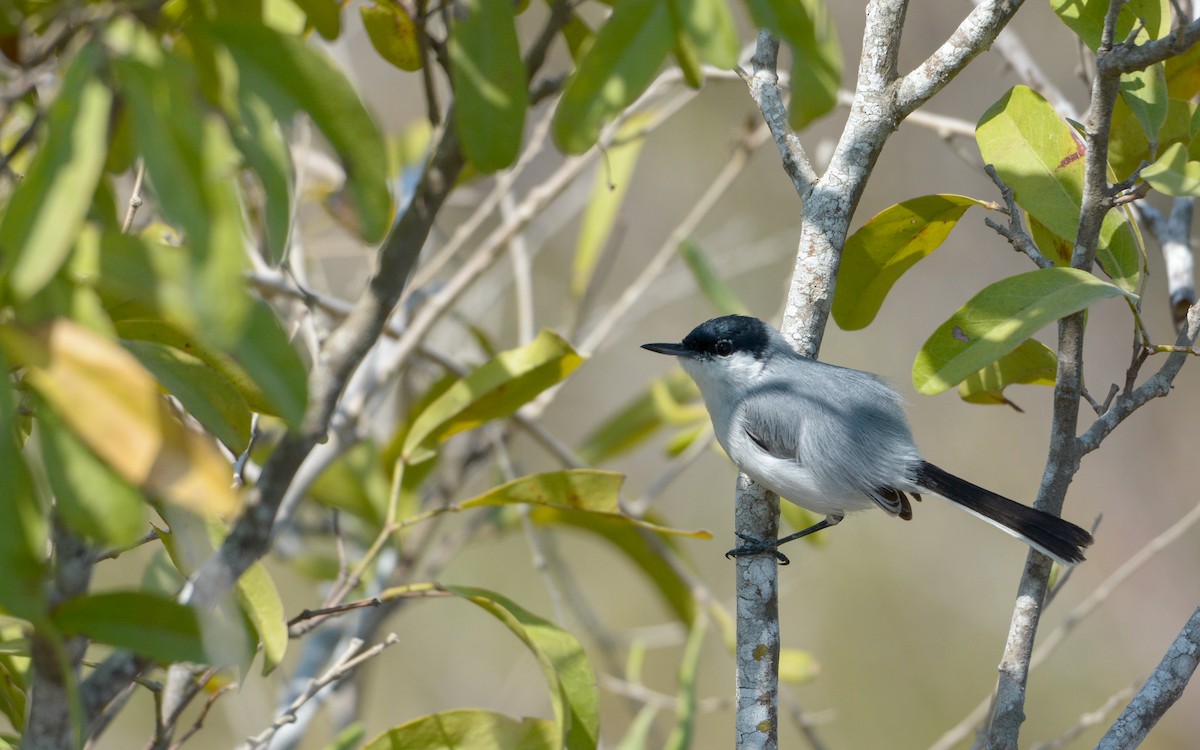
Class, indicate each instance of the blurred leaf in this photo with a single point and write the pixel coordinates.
(1173, 174)
(797, 667)
(193, 166)
(801, 518)
(144, 623)
(23, 532)
(191, 541)
(112, 404)
(892, 242)
(588, 490)
(349, 738)
(1031, 363)
(565, 665)
(999, 319)
(636, 421)
(637, 734)
(356, 483)
(816, 54)
(392, 33)
(494, 390)
(618, 66)
(266, 353)
(1086, 18)
(709, 28)
(263, 144)
(1183, 74)
(489, 82)
(43, 216)
(89, 496)
(710, 282)
(204, 392)
(261, 603)
(608, 194)
(1042, 160)
(293, 77)
(577, 34)
(469, 729)
(634, 543)
(685, 700)
(160, 332)
(141, 283)
(323, 15)
(687, 57)
(684, 438)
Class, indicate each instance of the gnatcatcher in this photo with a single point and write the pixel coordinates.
(832, 439)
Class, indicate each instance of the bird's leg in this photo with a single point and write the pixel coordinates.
(758, 546)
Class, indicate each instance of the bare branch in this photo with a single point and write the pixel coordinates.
(764, 89)
(1162, 688)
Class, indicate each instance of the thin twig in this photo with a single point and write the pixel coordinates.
(135, 199)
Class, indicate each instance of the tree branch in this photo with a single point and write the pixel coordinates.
(1162, 688)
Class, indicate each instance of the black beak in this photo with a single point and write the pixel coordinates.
(674, 350)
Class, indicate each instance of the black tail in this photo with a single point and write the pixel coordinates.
(1050, 535)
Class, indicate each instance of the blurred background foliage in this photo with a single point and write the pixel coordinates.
(192, 193)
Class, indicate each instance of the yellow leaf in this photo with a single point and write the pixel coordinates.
(105, 396)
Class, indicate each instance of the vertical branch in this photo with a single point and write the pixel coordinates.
(1063, 460)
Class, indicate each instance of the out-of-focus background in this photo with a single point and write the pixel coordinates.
(906, 620)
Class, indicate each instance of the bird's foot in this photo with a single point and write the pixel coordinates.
(754, 546)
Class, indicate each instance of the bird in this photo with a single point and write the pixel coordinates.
(832, 439)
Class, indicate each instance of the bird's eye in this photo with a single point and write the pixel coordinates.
(724, 347)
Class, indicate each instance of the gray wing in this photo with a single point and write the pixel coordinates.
(847, 428)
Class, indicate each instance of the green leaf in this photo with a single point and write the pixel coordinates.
(262, 142)
(711, 284)
(23, 532)
(617, 68)
(141, 283)
(1042, 160)
(636, 421)
(323, 15)
(191, 541)
(564, 664)
(489, 82)
(1031, 363)
(608, 194)
(293, 77)
(146, 624)
(1145, 93)
(349, 738)
(193, 166)
(266, 353)
(1173, 173)
(709, 29)
(1183, 74)
(675, 590)
(1086, 18)
(999, 318)
(469, 729)
(91, 498)
(204, 392)
(892, 242)
(816, 54)
(43, 216)
(589, 490)
(393, 34)
(797, 667)
(261, 603)
(494, 390)
(685, 700)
